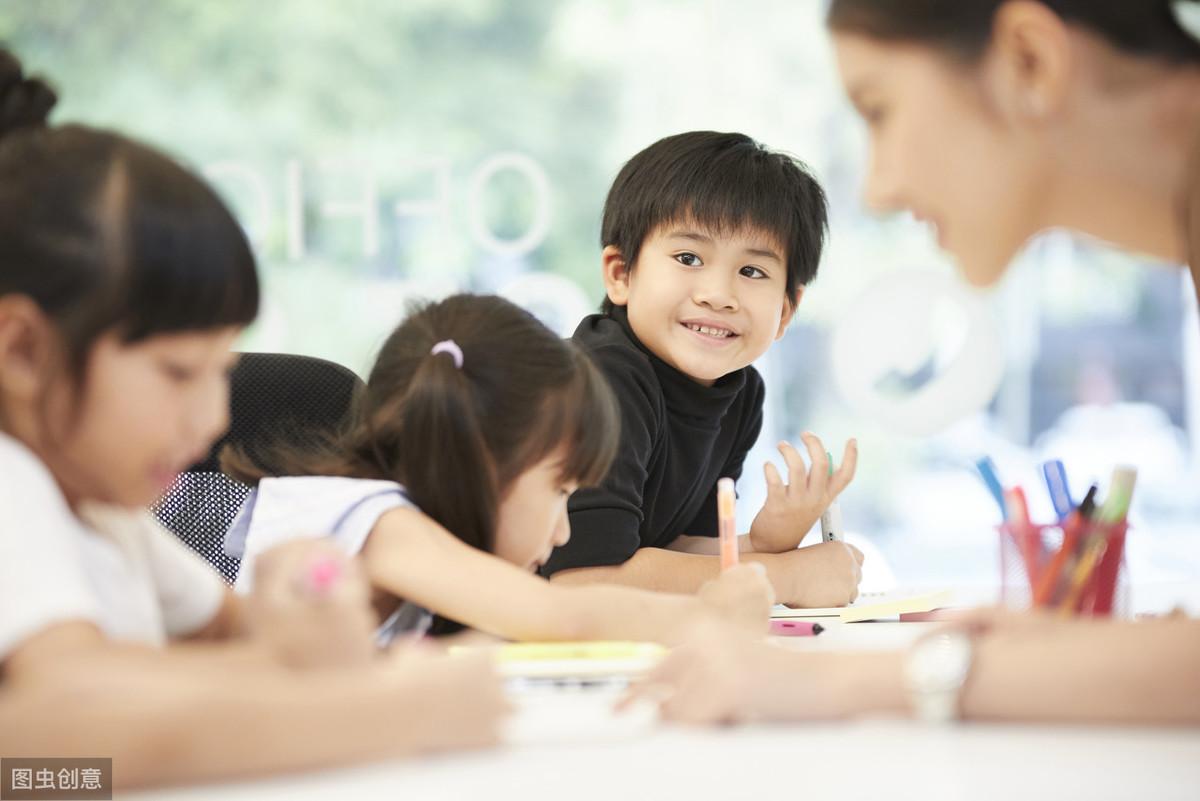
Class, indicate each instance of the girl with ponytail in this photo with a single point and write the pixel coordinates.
(476, 425)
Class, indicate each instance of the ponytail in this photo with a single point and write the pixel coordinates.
(444, 459)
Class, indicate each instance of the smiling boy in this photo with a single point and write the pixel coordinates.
(709, 239)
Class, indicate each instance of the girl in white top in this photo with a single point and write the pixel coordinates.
(476, 426)
(123, 283)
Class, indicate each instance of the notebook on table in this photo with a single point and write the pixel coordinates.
(873, 606)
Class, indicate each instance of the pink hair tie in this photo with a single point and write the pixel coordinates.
(451, 347)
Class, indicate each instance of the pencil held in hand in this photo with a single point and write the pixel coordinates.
(727, 523)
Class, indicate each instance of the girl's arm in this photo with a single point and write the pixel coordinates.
(165, 720)
(824, 574)
(414, 558)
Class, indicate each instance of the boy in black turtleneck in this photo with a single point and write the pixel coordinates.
(709, 239)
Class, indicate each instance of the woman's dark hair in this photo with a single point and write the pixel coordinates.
(1147, 28)
(456, 437)
(724, 182)
(106, 234)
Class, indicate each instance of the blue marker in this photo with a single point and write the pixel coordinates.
(987, 469)
(1060, 492)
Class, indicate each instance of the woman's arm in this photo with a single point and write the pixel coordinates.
(1024, 669)
(412, 557)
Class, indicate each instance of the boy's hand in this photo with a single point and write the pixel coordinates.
(311, 606)
(821, 575)
(742, 596)
(792, 508)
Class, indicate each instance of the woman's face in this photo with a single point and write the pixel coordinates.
(943, 148)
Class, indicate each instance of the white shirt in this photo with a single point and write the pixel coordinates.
(116, 568)
(343, 509)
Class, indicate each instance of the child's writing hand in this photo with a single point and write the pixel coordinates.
(311, 605)
(792, 508)
(821, 575)
(460, 700)
(741, 595)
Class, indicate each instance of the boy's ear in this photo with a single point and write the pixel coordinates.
(789, 311)
(616, 275)
(25, 347)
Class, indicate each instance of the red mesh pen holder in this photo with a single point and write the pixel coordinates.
(1088, 579)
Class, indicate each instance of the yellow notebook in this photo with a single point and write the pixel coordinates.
(872, 606)
(574, 659)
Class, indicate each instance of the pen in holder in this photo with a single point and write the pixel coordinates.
(1074, 569)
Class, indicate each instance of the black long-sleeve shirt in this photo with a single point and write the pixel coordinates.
(677, 438)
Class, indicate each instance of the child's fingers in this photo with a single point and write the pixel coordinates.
(818, 477)
(845, 472)
(797, 473)
(775, 484)
(645, 692)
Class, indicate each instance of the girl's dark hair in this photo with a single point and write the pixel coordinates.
(724, 182)
(106, 234)
(456, 437)
(1147, 28)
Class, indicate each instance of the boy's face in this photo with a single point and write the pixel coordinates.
(705, 304)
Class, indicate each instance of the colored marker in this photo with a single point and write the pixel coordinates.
(1060, 493)
(831, 518)
(1072, 532)
(727, 523)
(1112, 512)
(987, 469)
(795, 628)
(1021, 529)
(323, 572)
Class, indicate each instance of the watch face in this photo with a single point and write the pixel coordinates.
(940, 662)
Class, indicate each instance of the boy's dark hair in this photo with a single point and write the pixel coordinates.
(106, 234)
(962, 28)
(723, 182)
(457, 437)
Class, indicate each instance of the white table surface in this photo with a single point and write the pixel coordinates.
(569, 746)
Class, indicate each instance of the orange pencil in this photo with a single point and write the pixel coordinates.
(727, 523)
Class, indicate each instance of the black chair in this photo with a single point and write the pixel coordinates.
(272, 395)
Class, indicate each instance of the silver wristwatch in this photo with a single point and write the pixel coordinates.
(935, 672)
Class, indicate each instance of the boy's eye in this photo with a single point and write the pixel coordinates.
(753, 272)
(688, 259)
